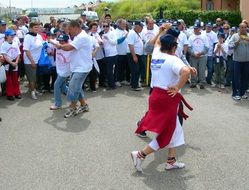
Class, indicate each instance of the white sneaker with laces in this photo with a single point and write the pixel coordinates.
(137, 162)
(175, 165)
(244, 96)
(118, 84)
(83, 108)
(33, 95)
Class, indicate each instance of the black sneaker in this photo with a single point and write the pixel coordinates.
(202, 86)
(192, 86)
(18, 97)
(142, 135)
(10, 98)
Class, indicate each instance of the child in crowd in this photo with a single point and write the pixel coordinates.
(62, 62)
(11, 52)
(220, 52)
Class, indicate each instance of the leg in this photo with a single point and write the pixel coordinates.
(58, 85)
(102, 72)
(209, 68)
(92, 77)
(202, 69)
(134, 67)
(244, 77)
(194, 63)
(235, 78)
(110, 74)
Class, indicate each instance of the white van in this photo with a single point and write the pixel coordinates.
(91, 15)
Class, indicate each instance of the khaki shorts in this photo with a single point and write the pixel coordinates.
(30, 72)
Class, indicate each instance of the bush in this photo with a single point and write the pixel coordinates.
(233, 17)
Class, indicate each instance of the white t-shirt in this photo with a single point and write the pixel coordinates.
(147, 35)
(81, 58)
(11, 51)
(51, 49)
(198, 42)
(62, 62)
(110, 43)
(220, 53)
(165, 69)
(34, 45)
(122, 48)
(136, 40)
(212, 39)
(100, 52)
(1, 38)
(182, 40)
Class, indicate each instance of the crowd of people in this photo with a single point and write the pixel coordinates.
(65, 56)
(68, 56)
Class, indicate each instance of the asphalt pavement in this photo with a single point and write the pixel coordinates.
(39, 149)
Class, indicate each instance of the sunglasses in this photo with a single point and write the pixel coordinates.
(226, 28)
(105, 26)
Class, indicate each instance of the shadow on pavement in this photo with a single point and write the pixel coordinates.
(74, 124)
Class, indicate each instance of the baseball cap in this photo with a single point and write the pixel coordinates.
(168, 39)
(174, 32)
(209, 24)
(221, 35)
(2, 22)
(197, 25)
(9, 32)
(139, 23)
(234, 29)
(63, 37)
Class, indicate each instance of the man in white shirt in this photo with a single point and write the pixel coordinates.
(198, 48)
(80, 65)
(135, 55)
(122, 71)
(212, 40)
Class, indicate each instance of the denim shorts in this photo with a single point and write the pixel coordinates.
(75, 91)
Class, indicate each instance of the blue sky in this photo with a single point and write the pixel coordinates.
(43, 3)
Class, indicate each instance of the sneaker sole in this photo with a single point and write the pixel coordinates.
(142, 136)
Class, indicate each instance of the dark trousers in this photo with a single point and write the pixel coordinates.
(102, 72)
(92, 78)
(229, 70)
(136, 69)
(240, 78)
(111, 62)
(122, 71)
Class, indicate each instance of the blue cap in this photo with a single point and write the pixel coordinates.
(221, 35)
(9, 32)
(2, 22)
(209, 24)
(234, 29)
(63, 37)
(139, 23)
(197, 25)
(174, 32)
(168, 39)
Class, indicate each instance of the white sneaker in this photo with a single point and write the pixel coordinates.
(125, 83)
(222, 86)
(137, 162)
(244, 96)
(33, 95)
(38, 93)
(176, 165)
(118, 84)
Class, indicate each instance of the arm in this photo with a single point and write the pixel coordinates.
(29, 56)
(132, 50)
(65, 47)
(184, 75)
(162, 30)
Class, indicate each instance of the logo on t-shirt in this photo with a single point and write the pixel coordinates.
(156, 63)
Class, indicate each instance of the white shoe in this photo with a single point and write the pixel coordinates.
(38, 93)
(33, 95)
(125, 83)
(118, 84)
(222, 86)
(176, 165)
(137, 162)
(244, 96)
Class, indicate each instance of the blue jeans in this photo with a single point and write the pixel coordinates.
(240, 78)
(59, 87)
(75, 91)
(210, 68)
(111, 62)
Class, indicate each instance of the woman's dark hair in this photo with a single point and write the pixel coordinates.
(92, 24)
(168, 47)
(33, 23)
